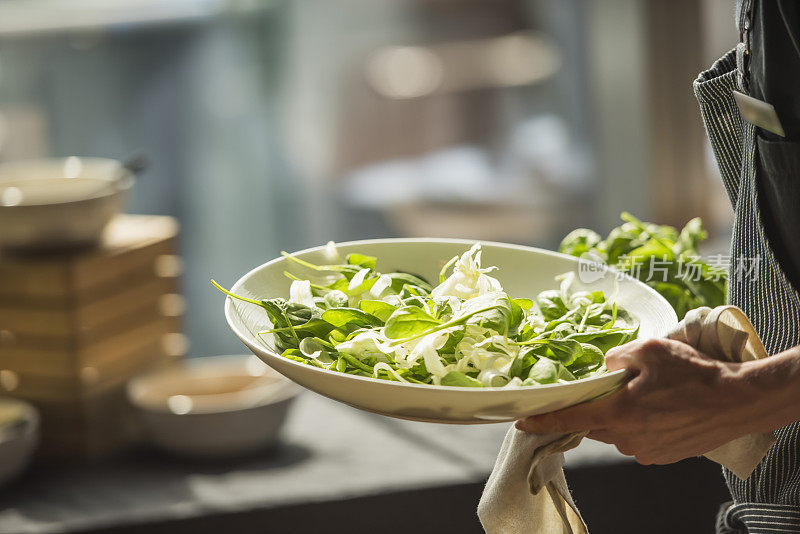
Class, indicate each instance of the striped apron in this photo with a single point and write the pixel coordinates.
(769, 500)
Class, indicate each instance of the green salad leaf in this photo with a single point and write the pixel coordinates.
(409, 321)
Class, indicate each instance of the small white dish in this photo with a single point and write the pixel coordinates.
(523, 272)
(59, 202)
(19, 435)
(212, 407)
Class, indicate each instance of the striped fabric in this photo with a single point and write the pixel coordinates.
(757, 517)
(769, 500)
(724, 124)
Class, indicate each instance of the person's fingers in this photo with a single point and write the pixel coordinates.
(622, 356)
(579, 418)
(602, 435)
(635, 356)
(622, 442)
(617, 360)
(619, 350)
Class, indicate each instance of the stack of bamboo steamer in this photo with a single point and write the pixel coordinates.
(76, 326)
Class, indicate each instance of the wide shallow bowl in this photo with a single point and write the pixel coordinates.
(19, 434)
(213, 407)
(61, 202)
(523, 272)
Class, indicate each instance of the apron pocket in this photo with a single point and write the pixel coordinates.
(778, 197)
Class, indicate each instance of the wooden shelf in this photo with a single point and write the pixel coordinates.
(76, 326)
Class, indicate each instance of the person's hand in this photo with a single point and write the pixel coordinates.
(679, 403)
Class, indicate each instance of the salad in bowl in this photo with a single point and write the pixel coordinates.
(442, 330)
(466, 331)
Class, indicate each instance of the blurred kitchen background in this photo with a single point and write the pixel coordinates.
(278, 125)
(274, 125)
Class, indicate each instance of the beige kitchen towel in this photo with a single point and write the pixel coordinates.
(527, 491)
(725, 333)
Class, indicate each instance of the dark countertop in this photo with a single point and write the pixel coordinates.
(335, 464)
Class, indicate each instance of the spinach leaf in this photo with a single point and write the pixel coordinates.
(340, 317)
(517, 316)
(641, 255)
(492, 310)
(617, 244)
(399, 280)
(564, 351)
(367, 262)
(565, 374)
(378, 308)
(544, 371)
(409, 321)
(579, 242)
(316, 348)
(525, 304)
(453, 339)
(526, 333)
(455, 378)
(551, 305)
(591, 358)
(605, 339)
(291, 321)
(297, 314)
(495, 313)
(522, 364)
(313, 328)
(690, 238)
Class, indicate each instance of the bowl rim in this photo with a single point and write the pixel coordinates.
(227, 402)
(121, 182)
(229, 310)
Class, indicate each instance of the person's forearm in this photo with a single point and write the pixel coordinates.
(771, 390)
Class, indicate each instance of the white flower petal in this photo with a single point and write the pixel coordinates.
(427, 348)
(300, 293)
(468, 278)
(358, 279)
(380, 286)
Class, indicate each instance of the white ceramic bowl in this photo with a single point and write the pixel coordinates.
(19, 435)
(523, 272)
(59, 202)
(213, 407)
